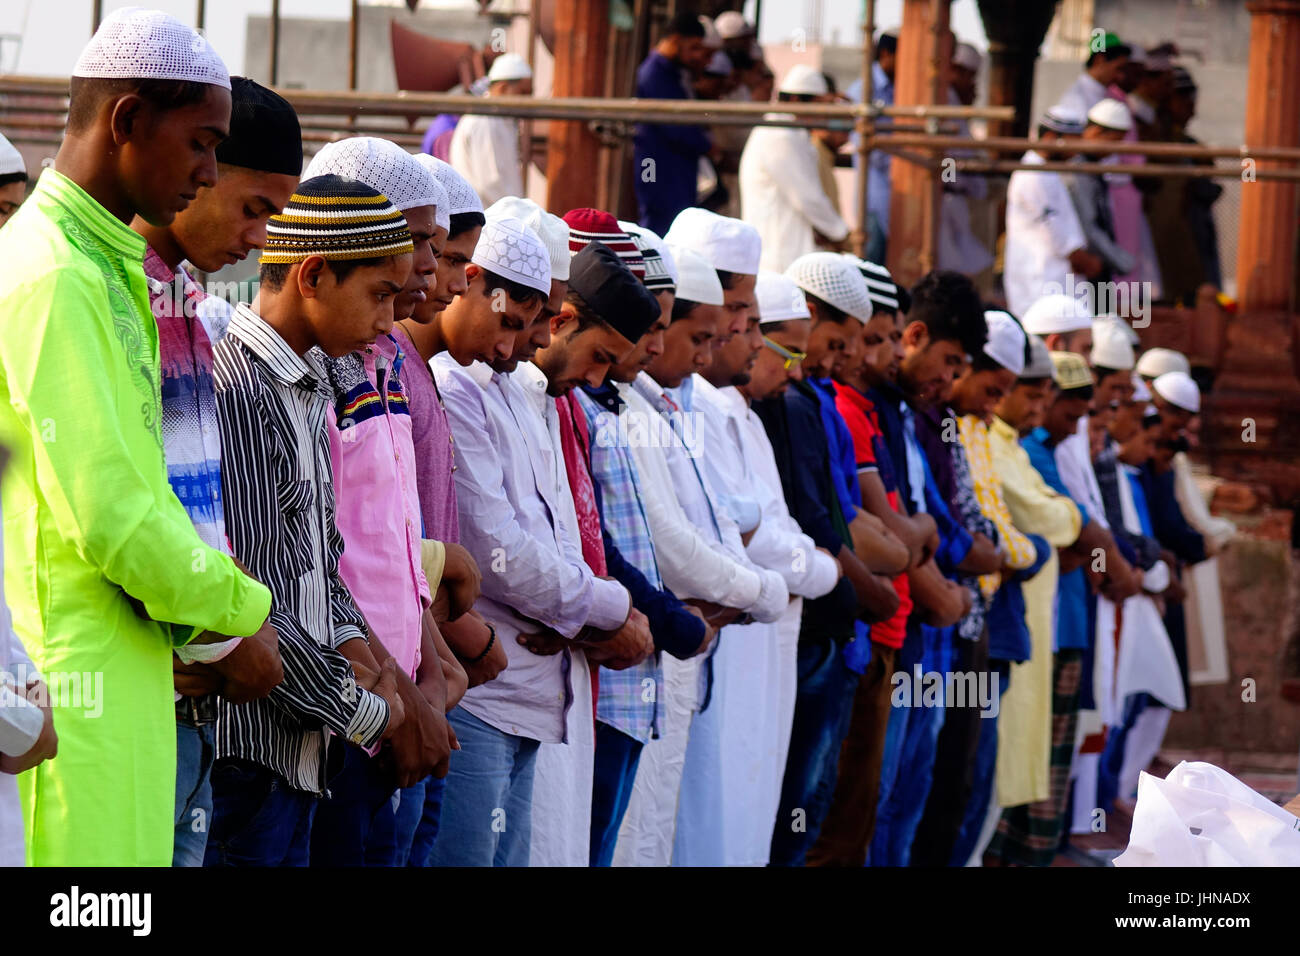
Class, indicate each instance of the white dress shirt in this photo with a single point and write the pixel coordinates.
(1083, 94)
(1042, 230)
(781, 195)
(510, 494)
(485, 150)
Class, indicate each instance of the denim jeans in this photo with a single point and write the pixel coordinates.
(426, 831)
(617, 756)
(487, 809)
(257, 818)
(194, 756)
(410, 810)
(983, 776)
(355, 825)
(822, 708)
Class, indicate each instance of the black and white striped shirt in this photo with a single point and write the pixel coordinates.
(279, 506)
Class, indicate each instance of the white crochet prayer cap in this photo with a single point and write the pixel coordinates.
(1058, 313)
(509, 66)
(697, 280)
(1155, 362)
(1005, 343)
(724, 243)
(11, 161)
(655, 241)
(138, 44)
(803, 79)
(1111, 114)
(510, 249)
(1178, 388)
(383, 166)
(460, 194)
(835, 280)
(1111, 346)
(779, 299)
(553, 231)
(1040, 360)
(732, 24)
(880, 283)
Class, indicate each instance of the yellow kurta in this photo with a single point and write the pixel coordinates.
(1025, 721)
(98, 549)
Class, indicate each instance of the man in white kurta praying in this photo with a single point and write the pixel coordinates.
(485, 149)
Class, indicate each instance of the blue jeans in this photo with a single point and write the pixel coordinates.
(617, 756)
(257, 818)
(194, 756)
(982, 776)
(426, 831)
(487, 809)
(410, 810)
(355, 825)
(823, 704)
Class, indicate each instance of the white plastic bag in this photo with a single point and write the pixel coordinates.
(1203, 816)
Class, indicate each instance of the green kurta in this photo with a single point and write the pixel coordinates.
(89, 518)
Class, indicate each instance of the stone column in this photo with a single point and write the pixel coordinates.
(572, 158)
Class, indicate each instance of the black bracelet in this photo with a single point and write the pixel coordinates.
(492, 639)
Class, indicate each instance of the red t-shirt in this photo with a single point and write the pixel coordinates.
(869, 448)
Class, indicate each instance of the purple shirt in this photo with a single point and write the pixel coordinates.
(435, 450)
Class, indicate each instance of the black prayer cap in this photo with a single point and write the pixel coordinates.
(264, 131)
(613, 292)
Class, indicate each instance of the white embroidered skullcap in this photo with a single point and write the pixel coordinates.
(724, 243)
(553, 231)
(1111, 114)
(1155, 362)
(461, 196)
(652, 239)
(11, 161)
(1140, 391)
(779, 298)
(383, 166)
(1005, 343)
(138, 44)
(1111, 346)
(509, 66)
(697, 280)
(1040, 360)
(967, 57)
(512, 250)
(880, 283)
(731, 24)
(1055, 313)
(833, 279)
(1178, 388)
(803, 79)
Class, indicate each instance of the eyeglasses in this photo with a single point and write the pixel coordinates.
(791, 357)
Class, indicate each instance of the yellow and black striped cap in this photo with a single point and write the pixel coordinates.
(336, 218)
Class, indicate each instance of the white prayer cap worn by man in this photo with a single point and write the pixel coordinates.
(1156, 362)
(1064, 323)
(780, 187)
(1111, 346)
(485, 149)
(384, 166)
(13, 179)
(734, 249)
(461, 197)
(550, 228)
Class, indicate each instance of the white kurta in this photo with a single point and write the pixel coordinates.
(1207, 646)
(1042, 230)
(781, 195)
(485, 150)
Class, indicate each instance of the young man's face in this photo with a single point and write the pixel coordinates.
(1116, 387)
(1079, 342)
(537, 334)
(693, 54)
(928, 367)
(831, 345)
(1126, 420)
(475, 331)
(650, 346)
(1173, 420)
(1062, 418)
(688, 346)
(1024, 405)
(11, 197)
(733, 361)
(770, 377)
(1140, 446)
(349, 315)
(740, 306)
(879, 347)
(579, 358)
(449, 281)
(167, 156)
(978, 393)
(227, 221)
(424, 262)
